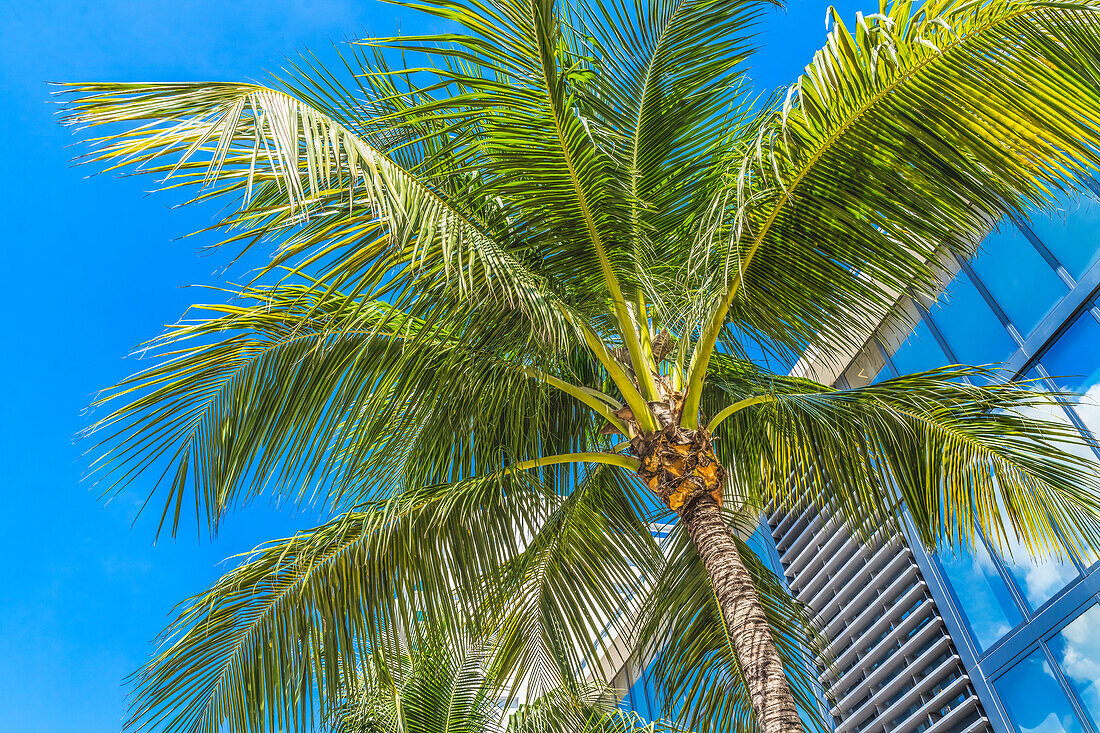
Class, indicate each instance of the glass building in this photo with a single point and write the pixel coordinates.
(937, 642)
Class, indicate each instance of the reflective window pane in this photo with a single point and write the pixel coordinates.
(760, 543)
(1072, 233)
(1039, 578)
(1077, 651)
(1086, 409)
(1034, 698)
(919, 352)
(969, 326)
(1074, 363)
(1021, 281)
(981, 593)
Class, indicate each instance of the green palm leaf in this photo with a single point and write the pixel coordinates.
(507, 556)
(426, 683)
(273, 641)
(572, 594)
(297, 389)
(696, 670)
(963, 453)
(332, 202)
(909, 136)
(554, 223)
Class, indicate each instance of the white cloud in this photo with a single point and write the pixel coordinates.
(1042, 577)
(1051, 724)
(1081, 657)
(1089, 406)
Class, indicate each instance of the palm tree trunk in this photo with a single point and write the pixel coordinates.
(680, 466)
(748, 629)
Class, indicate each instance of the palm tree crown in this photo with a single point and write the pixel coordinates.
(436, 683)
(514, 284)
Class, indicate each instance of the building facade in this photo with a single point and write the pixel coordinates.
(935, 642)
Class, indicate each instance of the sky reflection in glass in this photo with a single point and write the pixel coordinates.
(1039, 578)
(969, 326)
(919, 352)
(1062, 413)
(1034, 698)
(1077, 651)
(1074, 364)
(1072, 234)
(1018, 278)
(982, 594)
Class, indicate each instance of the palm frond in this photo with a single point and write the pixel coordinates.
(960, 454)
(669, 92)
(334, 204)
(332, 400)
(911, 135)
(590, 712)
(575, 589)
(699, 677)
(274, 642)
(562, 78)
(424, 682)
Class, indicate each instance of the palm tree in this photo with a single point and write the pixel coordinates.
(422, 685)
(429, 684)
(550, 225)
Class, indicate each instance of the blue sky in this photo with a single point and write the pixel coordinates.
(93, 267)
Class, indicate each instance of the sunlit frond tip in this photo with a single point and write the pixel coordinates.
(334, 203)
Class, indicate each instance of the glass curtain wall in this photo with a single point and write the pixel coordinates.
(1030, 627)
(1029, 300)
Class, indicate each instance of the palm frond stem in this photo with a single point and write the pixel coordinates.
(625, 384)
(622, 316)
(610, 459)
(737, 407)
(600, 403)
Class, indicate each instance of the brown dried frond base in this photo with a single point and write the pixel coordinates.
(679, 465)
